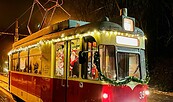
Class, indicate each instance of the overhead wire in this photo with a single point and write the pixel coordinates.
(15, 22)
(46, 11)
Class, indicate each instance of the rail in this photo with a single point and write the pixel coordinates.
(4, 81)
(5, 95)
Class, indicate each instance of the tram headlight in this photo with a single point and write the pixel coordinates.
(105, 95)
(147, 92)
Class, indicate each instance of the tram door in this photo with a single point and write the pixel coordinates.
(66, 86)
(60, 83)
(73, 71)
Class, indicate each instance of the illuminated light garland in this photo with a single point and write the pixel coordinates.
(115, 32)
(145, 37)
(62, 35)
(98, 33)
(103, 31)
(118, 82)
(107, 33)
(63, 38)
(92, 33)
(111, 32)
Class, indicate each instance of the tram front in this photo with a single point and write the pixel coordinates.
(120, 61)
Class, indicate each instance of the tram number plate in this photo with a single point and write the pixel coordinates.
(141, 94)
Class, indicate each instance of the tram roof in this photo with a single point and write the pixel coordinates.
(56, 30)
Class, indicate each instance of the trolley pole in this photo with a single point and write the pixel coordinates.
(16, 36)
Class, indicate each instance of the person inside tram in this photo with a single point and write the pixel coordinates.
(35, 67)
(94, 72)
(74, 64)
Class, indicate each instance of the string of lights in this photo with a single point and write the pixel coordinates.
(64, 38)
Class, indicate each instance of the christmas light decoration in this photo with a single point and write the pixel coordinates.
(64, 38)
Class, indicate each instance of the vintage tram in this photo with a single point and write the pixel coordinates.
(77, 61)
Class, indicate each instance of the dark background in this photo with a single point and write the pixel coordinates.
(154, 17)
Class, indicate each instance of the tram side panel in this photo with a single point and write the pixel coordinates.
(94, 91)
(59, 90)
(31, 88)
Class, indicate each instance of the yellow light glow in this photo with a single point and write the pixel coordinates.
(118, 33)
(111, 32)
(145, 37)
(62, 35)
(92, 33)
(103, 31)
(115, 32)
(107, 34)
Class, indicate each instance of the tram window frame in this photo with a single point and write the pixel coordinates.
(74, 71)
(89, 69)
(34, 66)
(15, 61)
(60, 73)
(127, 71)
(106, 69)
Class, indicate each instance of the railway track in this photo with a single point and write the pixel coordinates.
(5, 95)
(3, 98)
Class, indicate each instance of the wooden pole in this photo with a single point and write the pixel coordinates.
(16, 36)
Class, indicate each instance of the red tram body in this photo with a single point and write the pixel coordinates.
(42, 69)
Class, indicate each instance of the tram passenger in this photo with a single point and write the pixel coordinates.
(36, 67)
(94, 72)
(74, 64)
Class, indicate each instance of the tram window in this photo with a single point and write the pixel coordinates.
(59, 70)
(23, 64)
(35, 64)
(128, 65)
(92, 69)
(74, 63)
(89, 69)
(23, 61)
(35, 61)
(107, 61)
(15, 62)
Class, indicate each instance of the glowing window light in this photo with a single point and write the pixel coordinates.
(128, 24)
(127, 41)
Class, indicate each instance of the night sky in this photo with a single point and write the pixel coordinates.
(12, 10)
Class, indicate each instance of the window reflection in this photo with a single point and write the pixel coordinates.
(74, 62)
(128, 65)
(35, 62)
(59, 71)
(107, 61)
(92, 69)
(89, 69)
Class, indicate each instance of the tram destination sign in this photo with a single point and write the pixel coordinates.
(126, 41)
(128, 23)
